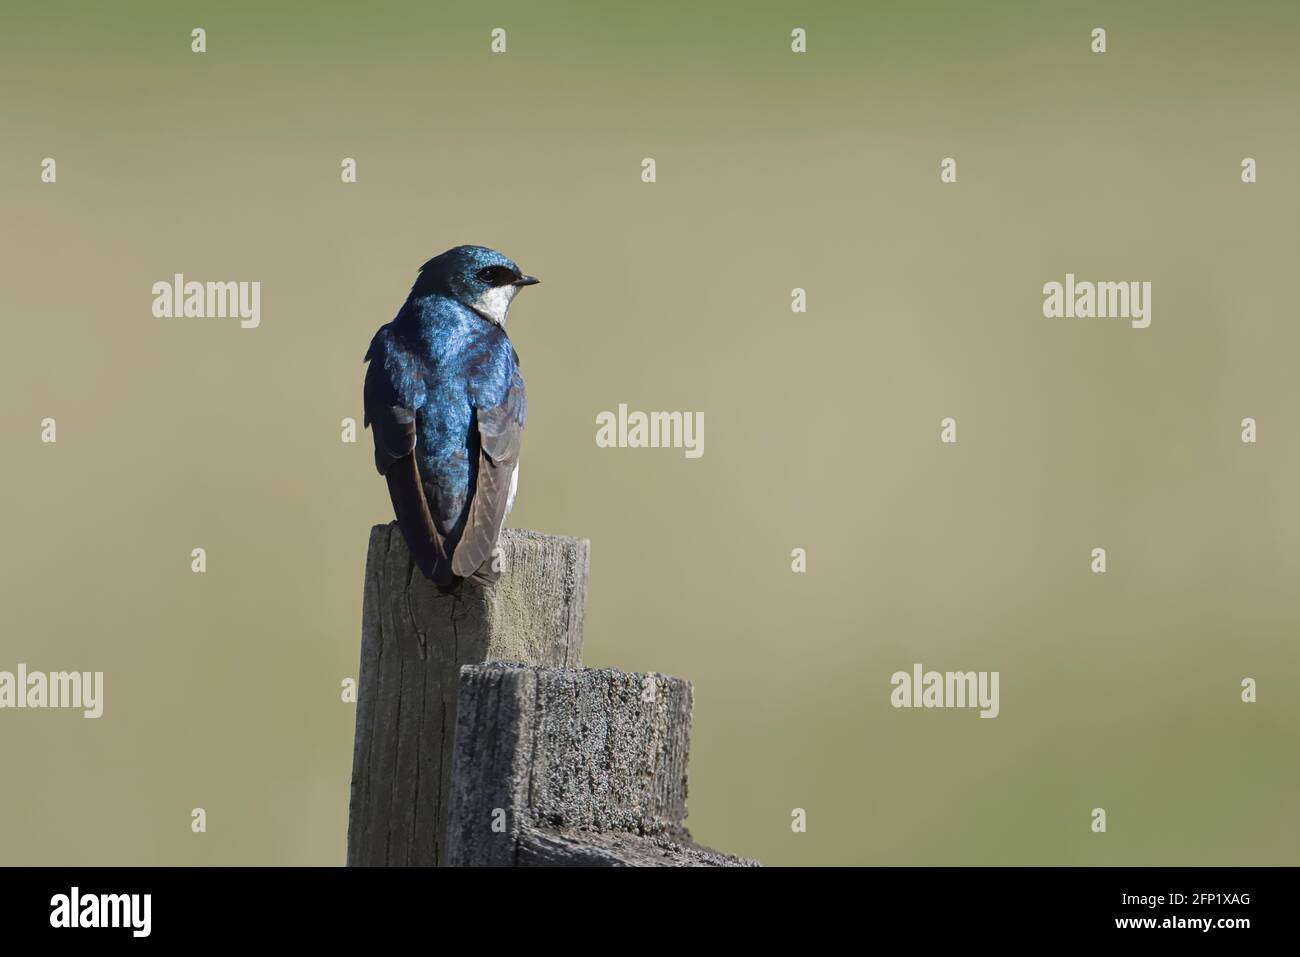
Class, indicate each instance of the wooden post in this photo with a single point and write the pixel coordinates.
(414, 642)
(573, 767)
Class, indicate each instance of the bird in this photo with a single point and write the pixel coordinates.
(444, 400)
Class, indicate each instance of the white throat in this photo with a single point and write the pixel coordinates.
(495, 303)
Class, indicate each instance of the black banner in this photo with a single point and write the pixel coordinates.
(1153, 906)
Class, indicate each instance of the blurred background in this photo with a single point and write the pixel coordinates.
(775, 171)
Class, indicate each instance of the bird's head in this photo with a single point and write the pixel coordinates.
(477, 277)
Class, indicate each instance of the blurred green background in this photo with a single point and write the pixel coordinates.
(775, 171)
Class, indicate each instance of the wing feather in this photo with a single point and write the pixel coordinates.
(500, 431)
(393, 425)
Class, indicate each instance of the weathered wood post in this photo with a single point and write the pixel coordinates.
(414, 642)
(558, 766)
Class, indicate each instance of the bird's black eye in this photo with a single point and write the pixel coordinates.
(497, 275)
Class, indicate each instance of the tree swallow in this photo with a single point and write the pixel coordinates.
(445, 401)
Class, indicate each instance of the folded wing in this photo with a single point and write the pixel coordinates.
(500, 431)
(393, 425)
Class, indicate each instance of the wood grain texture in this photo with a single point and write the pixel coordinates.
(414, 641)
(556, 766)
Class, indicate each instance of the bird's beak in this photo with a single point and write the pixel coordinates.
(527, 281)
